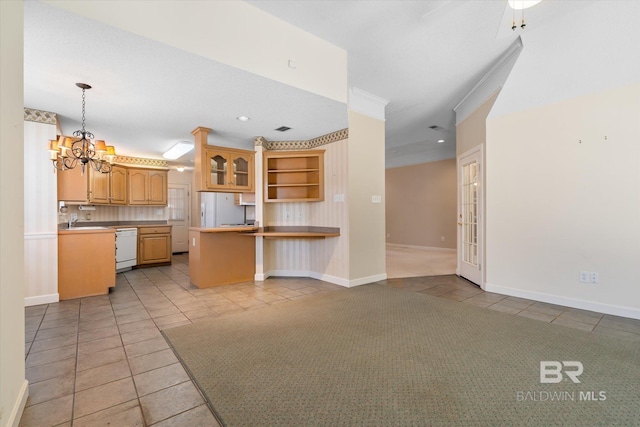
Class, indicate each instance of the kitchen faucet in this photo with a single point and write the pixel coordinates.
(72, 219)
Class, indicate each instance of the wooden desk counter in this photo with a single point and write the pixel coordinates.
(221, 256)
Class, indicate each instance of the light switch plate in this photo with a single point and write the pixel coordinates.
(338, 198)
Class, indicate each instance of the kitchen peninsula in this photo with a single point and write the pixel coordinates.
(222, 255)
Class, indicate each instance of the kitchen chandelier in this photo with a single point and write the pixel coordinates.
(67, 153)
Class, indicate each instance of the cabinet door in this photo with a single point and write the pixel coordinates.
(158, 187)
(154, 248)
(241, 172)
(216, 166)
(138, 186)
(118, 186)
(73, 186)
(98, 187)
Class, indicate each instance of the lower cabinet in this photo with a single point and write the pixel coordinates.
(78, 278)
(154, 245)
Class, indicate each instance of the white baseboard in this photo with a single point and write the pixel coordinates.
(598, 307)
(16, 412)
(328, 278)
(324, 277)
(426, 248)
(41, 299)
(365, 280)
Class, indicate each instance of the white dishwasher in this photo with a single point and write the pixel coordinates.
(126, 248)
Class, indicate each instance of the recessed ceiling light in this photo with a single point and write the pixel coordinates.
(178, 150)
(440, 141)
(243, 118)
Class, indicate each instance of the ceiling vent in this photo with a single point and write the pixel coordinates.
(434, 127)
(283, 129)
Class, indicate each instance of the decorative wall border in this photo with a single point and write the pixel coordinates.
(39, 116)
(139, 161)
(338, 135)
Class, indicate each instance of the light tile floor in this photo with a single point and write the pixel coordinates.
(102, 360)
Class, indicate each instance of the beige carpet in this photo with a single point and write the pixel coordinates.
(374, 355)
(404, 261)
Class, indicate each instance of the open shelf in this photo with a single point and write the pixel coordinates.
(294, 176)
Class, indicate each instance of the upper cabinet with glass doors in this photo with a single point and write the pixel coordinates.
(227, 169)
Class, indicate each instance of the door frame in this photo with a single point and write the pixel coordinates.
(187, 220)
(478, 153)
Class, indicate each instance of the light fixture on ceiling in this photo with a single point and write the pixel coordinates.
(440, 141)
(243, 118)
(521, 5)
(178, 150)
(66, 152)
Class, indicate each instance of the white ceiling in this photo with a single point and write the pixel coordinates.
(423, 56)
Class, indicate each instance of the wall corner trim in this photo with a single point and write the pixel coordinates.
(367, 103)
(489, 83)
(21, 401)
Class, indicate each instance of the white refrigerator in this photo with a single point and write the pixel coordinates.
(218, 210)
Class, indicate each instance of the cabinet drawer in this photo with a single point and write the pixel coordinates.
(154, 230)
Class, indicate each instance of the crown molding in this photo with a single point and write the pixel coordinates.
(367, 103)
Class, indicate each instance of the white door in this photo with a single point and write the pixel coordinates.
(178, 203)
(470, 230)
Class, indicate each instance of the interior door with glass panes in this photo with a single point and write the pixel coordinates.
(470, 231)
(178, 206)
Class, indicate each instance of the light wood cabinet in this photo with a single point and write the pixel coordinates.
(93, 187)
(73, 187)
(154, 245)
(147, 187)
(294, 176)
(76, 278)
(227, 170)
(118, 186)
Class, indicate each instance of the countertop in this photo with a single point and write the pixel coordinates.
(81, 226)
(298, 231)
(239, 228)
(85, 230)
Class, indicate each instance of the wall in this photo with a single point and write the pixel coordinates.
(40, 217)
(556, 206)
(234, 33)
(13, 386)
(421, 204)
(367, 251)
(472, 131)
(325, 259)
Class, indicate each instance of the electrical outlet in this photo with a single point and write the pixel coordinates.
(595, 278)
(338, 198)
(585, 277)
(376, 199)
